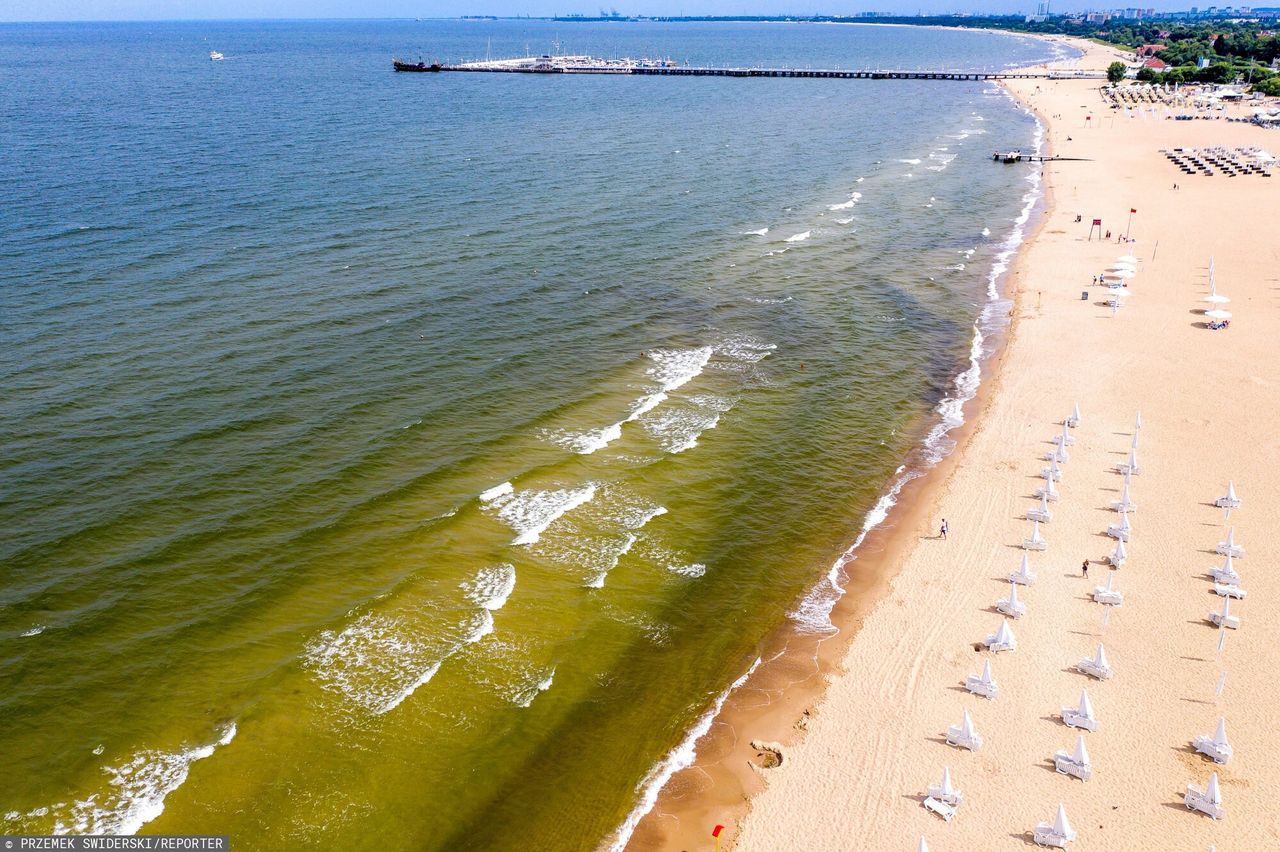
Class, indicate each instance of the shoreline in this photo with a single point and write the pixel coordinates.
(788, 683)
(861, 768)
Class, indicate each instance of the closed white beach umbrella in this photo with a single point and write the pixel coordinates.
(1216, 298)
(1062, 827)
(1218, 314)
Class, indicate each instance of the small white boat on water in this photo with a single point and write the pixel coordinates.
(215, 56)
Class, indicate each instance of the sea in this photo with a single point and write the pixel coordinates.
(413, 461)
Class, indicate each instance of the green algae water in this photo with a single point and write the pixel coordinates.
(412, 461)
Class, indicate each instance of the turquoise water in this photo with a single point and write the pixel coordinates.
(415, 458)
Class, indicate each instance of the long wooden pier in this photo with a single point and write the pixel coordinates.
(806, 73)
(666, 68)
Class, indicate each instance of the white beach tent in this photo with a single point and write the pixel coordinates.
(1048, 490)
(983, 684)
(1081, 716)
(1011, 606)
(1096, 666)
(1229, 547)
(1228, 500)
(1107, 594)
(1003, 639)
(1217, 748)
(1225, 618)
(1207, 801)
(1125, 503)
(1059, 834)
(964, 735)
(1076, 763)
(1226, 572)
(1041, 513)
(1037, 541)
(1067, 439)
(946, 791)
(1023, 576)
(1122, 530)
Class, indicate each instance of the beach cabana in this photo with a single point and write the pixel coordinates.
(1225, 618)
(1076, 763)
(1049, 491)
(1118, 556)
(1108, 595)
(1225, 573)
(1058, 834)
(1096, 666)
(964, 735)
(1207, 801)
(1228, 500)
(1003, 639)
(1082, 715)
(1125, 503)
(1011, 606)
(1036, 542)
(1023, 576)
(1217, 748)
(1074, 420)
(1041, 513)
(946, 791)
(1229, 547)
(1067, 439)
(1131, 466)
(1122, 530)
(983, 684)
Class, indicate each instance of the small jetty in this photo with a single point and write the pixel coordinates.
(559, 64)
(1010, 157)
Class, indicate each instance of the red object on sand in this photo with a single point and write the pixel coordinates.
(715, 832)
(1133, 209)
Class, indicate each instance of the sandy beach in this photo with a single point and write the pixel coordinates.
(856, 777)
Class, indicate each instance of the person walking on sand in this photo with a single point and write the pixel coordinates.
(943, 531)
(1084, 568)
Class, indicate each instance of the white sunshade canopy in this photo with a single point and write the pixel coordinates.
(1216, 298)
(1218, 315)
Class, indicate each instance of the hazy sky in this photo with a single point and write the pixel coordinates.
(117, 10)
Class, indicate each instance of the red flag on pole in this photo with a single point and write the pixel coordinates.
(715, 832)
(1133, 209)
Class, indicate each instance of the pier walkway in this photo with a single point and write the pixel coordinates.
(509, 67)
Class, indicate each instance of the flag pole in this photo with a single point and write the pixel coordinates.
(1129, 226)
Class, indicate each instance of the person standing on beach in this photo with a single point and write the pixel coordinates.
(943, 531)
(1084, 568)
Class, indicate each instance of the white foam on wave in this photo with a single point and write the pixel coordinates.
(675, 367)
(813, 613)
(760, 233)
(525, 695)
(798, 238)
(765, 300)
(378, 661)
(34, 631)
(492, 586)
(678, 758)
(646, 404)
(586, 443)
(854, 198)
(744, 347)
(911, 162)
(136, 795)
(496, 491)
(678, 429)
(529, 513)
(845, 221)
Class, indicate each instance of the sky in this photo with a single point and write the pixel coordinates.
(124, 10)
